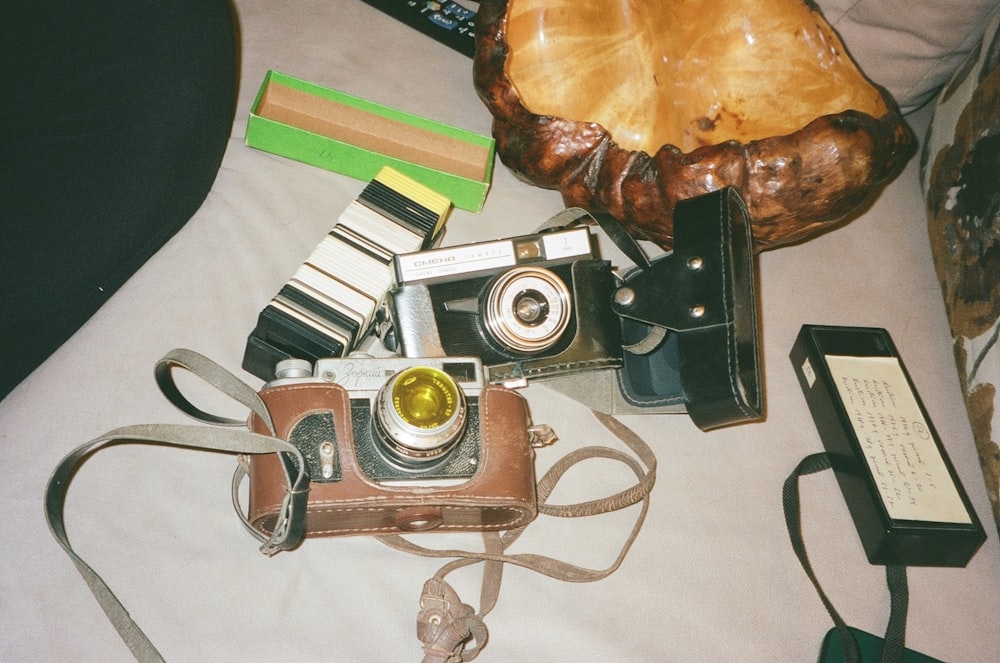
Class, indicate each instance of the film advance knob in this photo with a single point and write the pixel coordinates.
(293, 368)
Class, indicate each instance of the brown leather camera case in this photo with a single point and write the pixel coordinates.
(499, 496)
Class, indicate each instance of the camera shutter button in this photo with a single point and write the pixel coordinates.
(419, 518)
(293, 368)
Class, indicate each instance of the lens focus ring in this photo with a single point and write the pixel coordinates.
(527, 309)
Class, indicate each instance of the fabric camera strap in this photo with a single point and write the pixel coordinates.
(286, 535)
(895, 635)
(445, 625)
(198, 437)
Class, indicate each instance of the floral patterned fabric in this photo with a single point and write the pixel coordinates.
(961, 178)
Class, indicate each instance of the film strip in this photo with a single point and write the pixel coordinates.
(328, 305)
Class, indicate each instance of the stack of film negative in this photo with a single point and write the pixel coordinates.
(327, 307)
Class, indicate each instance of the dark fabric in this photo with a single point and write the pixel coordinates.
(892, 649)
(115, 116)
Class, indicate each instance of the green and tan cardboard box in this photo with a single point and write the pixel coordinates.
(349, 135)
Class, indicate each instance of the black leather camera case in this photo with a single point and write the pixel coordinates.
(689, 321)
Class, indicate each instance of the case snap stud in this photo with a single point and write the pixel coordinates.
(625, 296)
(419, 518)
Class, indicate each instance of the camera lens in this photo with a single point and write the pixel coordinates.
(527, 309)
(420, 415)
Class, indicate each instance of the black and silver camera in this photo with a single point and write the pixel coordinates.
(532, 306)
(328, 305)
(394, 444)
(410, 420)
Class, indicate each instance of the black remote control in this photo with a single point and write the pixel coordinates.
(449, 22)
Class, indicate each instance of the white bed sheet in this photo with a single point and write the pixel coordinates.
(712, 576)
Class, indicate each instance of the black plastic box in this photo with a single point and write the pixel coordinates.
(907, 503)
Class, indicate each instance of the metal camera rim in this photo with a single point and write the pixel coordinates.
(499, 322)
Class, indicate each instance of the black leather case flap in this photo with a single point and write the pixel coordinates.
(701, 300)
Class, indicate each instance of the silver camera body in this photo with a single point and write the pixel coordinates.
(436, 439)
(532, 306)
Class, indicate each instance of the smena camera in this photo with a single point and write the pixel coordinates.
(398, 445)
(532, 306)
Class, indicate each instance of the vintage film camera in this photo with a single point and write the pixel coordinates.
(531, 306)
(398, 445)
(689, 323)
(329, 304)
